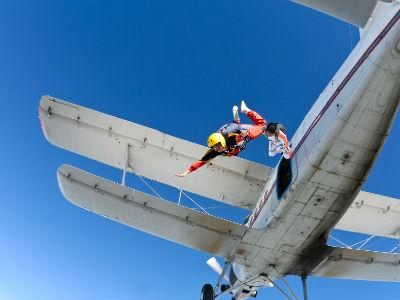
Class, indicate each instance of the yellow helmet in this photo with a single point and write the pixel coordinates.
(216, 138)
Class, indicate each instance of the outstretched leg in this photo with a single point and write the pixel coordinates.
(258, 128)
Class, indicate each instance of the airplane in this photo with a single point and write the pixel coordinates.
(294, 206)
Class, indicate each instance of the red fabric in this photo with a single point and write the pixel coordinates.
(233, 152)
(259, 122)
(196, 165)
(239, 138)
(253, 132)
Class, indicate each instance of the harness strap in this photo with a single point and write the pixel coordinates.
(230, 130)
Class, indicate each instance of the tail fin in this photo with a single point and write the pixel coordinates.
(356, 12)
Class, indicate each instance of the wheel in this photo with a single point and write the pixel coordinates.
(207, 292)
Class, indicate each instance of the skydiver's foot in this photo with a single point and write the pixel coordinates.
(236, 118)
(243, 108)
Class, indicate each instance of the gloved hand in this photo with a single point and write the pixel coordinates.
(287, 152)
(182, 174)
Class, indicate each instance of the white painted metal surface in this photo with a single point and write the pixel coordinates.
(372, 214)
(149, 214)
(151, 154)
(360, 265)
(355, 12)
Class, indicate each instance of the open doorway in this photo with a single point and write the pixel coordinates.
(284, 177)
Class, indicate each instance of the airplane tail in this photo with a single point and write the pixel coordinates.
(356, 12)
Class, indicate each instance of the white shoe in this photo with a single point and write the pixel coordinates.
(236, 118)
(243, 108)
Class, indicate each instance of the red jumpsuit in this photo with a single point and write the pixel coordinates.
(236, 137)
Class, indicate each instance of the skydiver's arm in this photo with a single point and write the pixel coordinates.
(287, 152)
(282, 138)
(210, 154)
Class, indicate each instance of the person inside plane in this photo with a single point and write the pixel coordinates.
(278, 142)
(231, 138)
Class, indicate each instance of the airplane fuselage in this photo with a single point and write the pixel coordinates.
(335, 148)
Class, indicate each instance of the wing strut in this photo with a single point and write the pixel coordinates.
(126, 165)
(304, 282)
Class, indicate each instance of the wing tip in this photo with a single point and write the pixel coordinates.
(63, 173)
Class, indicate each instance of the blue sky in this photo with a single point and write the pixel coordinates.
(177, 66)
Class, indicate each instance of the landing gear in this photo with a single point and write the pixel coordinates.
(207, 292)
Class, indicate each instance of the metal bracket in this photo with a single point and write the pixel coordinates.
(49, 112)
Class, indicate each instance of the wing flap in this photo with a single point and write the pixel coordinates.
(372, 214)
(150, 153)
(149, 214)
(359, 265)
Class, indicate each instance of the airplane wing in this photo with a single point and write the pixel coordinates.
(359, 265)
(150, 214)
(356, 12)
(150, 153)
(372, 214)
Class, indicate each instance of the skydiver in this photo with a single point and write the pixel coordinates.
(278, 142)
(231, 138)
